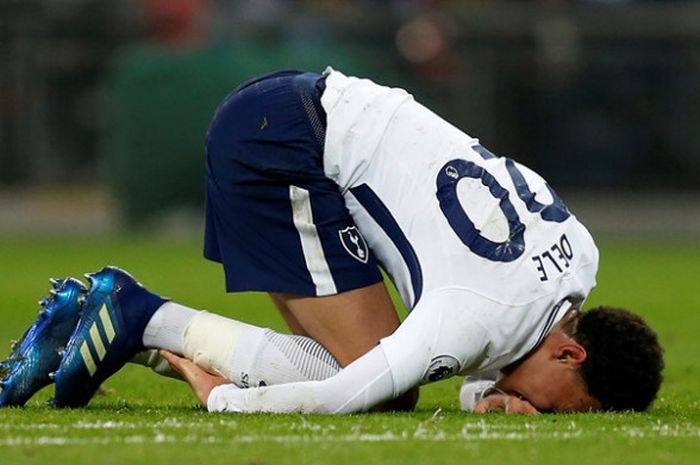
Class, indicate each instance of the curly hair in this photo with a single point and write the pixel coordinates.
(624, 363)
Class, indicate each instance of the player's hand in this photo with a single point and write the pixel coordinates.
(503, 402)
(202, 382)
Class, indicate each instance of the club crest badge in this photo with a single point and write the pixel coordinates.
(354, 243)
(441, 367)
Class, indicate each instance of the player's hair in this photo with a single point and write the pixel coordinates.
(624, 363)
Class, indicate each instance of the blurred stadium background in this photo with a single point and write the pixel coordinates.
(103, 109)
(104, 104)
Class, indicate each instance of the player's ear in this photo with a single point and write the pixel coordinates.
(572, 352)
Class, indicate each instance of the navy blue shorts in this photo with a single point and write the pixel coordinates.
(273, 219)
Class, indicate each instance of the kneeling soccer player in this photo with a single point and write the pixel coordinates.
(312, 181)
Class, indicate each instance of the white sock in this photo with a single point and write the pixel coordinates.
(166, 329)
(247, 355)
(265, 357)
(252, 356)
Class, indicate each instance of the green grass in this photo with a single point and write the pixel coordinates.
(141, 418)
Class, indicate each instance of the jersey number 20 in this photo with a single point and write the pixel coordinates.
(513, 247)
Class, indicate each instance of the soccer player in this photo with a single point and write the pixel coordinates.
(312, 182)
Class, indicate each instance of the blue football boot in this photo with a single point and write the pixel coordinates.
(37, 355)
(108, 335)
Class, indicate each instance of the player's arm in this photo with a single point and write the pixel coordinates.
(400, 362)
(358, 387)
(366, 382)
(477, 395)
(361, 385)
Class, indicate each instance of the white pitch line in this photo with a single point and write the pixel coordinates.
(117, 425)
(423, 436)
(305, 431)
(17, 441)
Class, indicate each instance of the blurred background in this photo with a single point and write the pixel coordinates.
(104, 104)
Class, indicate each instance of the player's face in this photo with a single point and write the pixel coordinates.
(550, 382)
(557, 394)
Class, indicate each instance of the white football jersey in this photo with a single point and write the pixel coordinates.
(454, 226)
(482, 251)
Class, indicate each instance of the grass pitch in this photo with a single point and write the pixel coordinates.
(142, 418)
